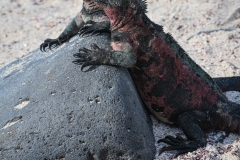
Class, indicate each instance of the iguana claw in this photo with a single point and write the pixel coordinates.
(50, 44)
(89, 57)
(181, 145)
(88, 28)
(94, 28)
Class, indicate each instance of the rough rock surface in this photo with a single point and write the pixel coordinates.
(49, 109)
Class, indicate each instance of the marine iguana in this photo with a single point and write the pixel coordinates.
(92, 19)
(91, 16)
(172, 86)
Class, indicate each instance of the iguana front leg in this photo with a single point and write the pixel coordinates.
(192, 123)
(72, 29)
(91, 15)
(96, 56)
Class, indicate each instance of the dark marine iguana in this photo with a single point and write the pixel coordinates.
(172, 86)
(91, 16)
(92, 19)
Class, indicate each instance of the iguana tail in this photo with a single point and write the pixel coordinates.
(228, 83)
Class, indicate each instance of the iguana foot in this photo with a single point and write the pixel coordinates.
(181, 145)
(48, 43)
(89, 57)
(191, 123)
(94, 28)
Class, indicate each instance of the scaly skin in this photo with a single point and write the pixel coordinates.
(173, 87)
(91, 19)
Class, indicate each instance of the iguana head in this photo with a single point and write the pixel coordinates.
(121, 12)
(123, 4)
(113, 3)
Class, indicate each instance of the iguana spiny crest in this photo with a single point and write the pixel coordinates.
(139, 5)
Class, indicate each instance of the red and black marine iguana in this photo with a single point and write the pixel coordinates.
(172, 86)
(92, 19)
(91, 16)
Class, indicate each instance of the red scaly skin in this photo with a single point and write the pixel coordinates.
(164, 72)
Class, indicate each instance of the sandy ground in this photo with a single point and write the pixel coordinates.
(207, 29)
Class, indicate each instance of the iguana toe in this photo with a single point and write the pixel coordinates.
(181, 145)
(89, 57)
(87, 30)
(48, 43)
(94, 28)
